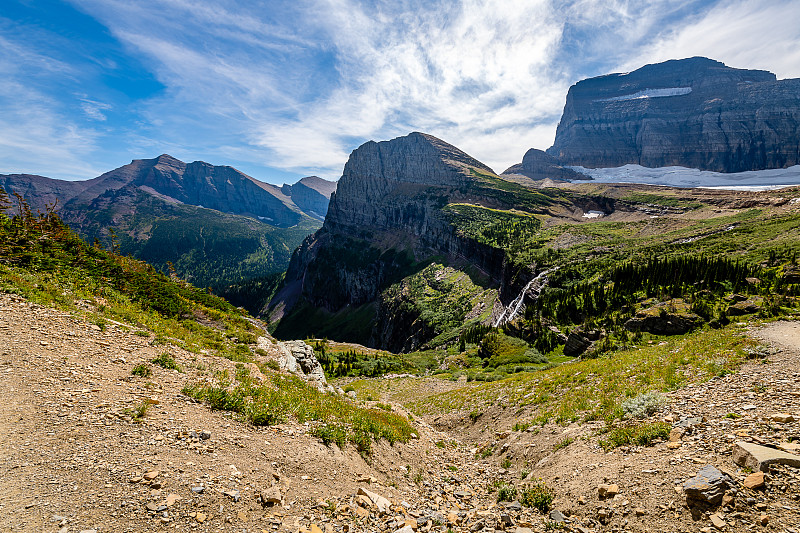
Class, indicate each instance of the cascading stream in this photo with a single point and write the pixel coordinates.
(513, 309)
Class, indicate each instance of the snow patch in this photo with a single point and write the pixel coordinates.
(650, 93)
(593, 214)
(753, 180)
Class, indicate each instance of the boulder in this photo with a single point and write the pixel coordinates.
(707, 488)
(576, 344)
(757, 457)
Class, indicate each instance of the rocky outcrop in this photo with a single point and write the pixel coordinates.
(664, 324)
(694, 112)
(298, 358)
(384, 219)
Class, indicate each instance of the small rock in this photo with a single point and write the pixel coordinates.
(198, 490)
(271, 496)
(200, 517)
(171, 499)
(383, 505)
(639, 511)
(783, 418)
(675, 434)
(151, 475)
(152, 507)
(754, 481)
(763, 520)
(556, 516)
(514, 506)
(233, 494)
(315, 528)
(404, 529)
(205, 435)
(607, 491)
(718, 522)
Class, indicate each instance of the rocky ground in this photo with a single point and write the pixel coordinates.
(74, 457)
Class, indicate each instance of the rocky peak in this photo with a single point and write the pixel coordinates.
(695, 112)
(379, 171)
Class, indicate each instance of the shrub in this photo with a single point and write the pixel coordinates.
(142, 370)
(641, 435)
(563, 443)
(643, 405)
(165, 360)
(329, 433)
(538, 495)
(272, 364)
(506, 492)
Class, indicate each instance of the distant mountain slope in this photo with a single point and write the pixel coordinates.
(695, 113)
(214, 224)
(311, 194)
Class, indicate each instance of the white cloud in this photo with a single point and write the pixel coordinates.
(94, 110)
(752, 34)
(299, 85)
(35, 132)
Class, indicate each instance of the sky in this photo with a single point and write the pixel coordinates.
(286, 89)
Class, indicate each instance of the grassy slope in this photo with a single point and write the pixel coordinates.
(44, 261)
(206, 247)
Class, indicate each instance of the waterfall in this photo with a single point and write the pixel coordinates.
(512, 311)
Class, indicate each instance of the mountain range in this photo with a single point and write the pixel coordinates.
(214, 224)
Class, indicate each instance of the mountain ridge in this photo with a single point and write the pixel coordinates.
(214, 224)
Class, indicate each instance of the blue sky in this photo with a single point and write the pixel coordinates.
(285, 89)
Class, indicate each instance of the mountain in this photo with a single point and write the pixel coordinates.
(214, 224)
(311, 194)
(424, 245)
(695, 113)
(400, 207)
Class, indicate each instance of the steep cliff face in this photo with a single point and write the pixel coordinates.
(694, 112)
(384, 221)
(539, 165)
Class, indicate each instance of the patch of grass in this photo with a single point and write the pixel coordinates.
(505, 463)
(282, 397)
(139, 412)
(594, 389)
(142, 370)
(165, 360)
(563, 443)
(521, 426)
(638, 435)
(537, 495)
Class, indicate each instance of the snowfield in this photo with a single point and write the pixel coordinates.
(754, 180)
(650, 93)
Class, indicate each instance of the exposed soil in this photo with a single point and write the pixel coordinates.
(73, 459)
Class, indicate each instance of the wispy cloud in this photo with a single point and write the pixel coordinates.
(297, 85)
(755, 34)
(36, 135)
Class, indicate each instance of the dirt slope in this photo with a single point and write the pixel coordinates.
(72, 459)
